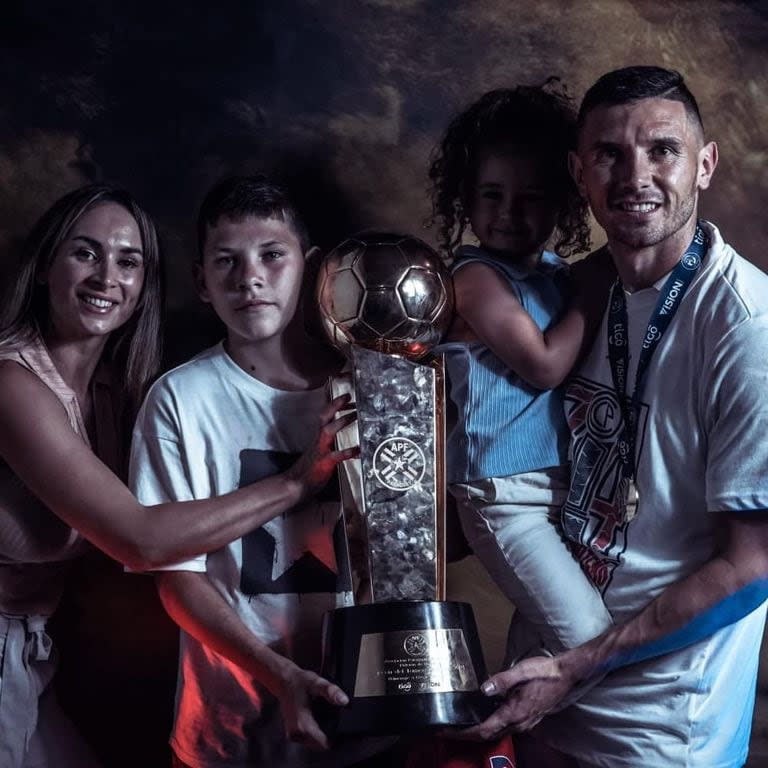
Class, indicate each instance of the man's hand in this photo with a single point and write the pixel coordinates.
(530, 690)
(315, 467)
(295, 692)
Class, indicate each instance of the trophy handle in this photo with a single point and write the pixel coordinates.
(351, 489)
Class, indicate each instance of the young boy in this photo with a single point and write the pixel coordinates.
(242, 411)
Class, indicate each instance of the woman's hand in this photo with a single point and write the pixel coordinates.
(316, 466)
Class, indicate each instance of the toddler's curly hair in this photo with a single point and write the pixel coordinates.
(536, 119)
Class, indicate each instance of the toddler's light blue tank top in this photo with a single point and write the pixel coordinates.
(503, 425)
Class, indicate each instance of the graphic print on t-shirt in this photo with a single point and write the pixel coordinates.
(593, 516)
(303, 550)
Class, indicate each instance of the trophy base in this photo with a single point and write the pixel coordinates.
(405, 666)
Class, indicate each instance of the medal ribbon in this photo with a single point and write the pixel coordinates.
(669, 301)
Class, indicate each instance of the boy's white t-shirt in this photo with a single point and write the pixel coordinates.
(205, 429)
(703, 449)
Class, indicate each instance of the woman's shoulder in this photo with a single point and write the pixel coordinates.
(22, 346)
(24, 393)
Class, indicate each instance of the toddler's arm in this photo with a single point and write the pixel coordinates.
(486, 303)
(198, 608)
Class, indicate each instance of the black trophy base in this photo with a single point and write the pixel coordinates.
(406, 666)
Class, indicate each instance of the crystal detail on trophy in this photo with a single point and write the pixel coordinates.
(397, 443)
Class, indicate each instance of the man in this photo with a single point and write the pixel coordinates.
(669, 489)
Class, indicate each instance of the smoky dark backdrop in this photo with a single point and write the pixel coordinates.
(343, 98)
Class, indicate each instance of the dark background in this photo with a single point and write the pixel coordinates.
(346, 99)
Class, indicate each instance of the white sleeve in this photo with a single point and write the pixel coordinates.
(158, 470)
(737, 420)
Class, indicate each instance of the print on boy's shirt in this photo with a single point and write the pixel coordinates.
(301, 551)
(593, 515)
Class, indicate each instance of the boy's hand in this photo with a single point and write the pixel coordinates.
(314, 468)
(297, 689)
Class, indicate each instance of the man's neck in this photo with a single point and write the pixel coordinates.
(640, 268)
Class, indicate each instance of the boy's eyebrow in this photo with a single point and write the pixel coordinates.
(97, 245)
(235, 248)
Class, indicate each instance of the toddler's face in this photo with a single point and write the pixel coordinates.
(512, 208)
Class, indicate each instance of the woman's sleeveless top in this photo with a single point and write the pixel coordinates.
(36, 545)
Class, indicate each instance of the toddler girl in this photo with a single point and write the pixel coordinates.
(502, 170)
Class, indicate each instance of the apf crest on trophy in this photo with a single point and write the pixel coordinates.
(398, 463)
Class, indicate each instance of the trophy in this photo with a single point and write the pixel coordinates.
(406, 658)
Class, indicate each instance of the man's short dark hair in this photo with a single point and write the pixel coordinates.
(240, 196)
(623, 86)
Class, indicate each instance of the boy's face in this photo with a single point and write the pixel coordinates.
(251, 274)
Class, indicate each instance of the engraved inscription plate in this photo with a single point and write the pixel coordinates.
(415, 661)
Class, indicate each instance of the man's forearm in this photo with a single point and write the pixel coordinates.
(722, 591)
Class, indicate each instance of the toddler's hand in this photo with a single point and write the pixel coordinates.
(593, 276)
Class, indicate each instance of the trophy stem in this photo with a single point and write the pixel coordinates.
(438, 365)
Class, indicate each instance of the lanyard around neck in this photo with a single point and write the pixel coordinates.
(670, 297)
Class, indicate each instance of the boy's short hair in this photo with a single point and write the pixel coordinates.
(239, 196)
(623, 86)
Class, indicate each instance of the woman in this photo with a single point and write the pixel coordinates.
(78, 345)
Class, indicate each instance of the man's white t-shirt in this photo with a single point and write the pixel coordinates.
(703, 449)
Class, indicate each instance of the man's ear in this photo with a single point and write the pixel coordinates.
(708, 156)
(202, 290)
(312, 254)
(575, 167)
